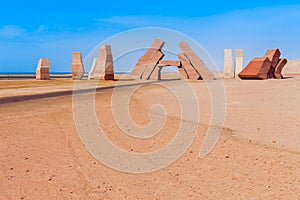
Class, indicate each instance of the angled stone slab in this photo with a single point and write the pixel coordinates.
(273, 55)
(228, 63)
(183, 74)
(196, 62)
(94, 66)
(157, 44)
(77, 66)
(103, 67)
(238, 64)
(189, 69)
(152, 65)
(156, 74)
(42, 70)
(258, 68)
(169, 63)
(278, 69)
(142, 63)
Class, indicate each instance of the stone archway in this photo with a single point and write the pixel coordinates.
(190, 66)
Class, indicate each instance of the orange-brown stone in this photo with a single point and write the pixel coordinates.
(77, 66)
(258, 68)
(183, 74)
(279, 67)
(152, 65)
(169, 63)
(273, 55)
(196, 62)
(192, 73)
(141, 65)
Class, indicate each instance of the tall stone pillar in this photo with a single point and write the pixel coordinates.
(77, 66)
(228, 63)
(238, 65)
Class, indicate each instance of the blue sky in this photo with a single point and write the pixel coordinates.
(54, 29)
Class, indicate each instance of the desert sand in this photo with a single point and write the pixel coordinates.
(292, 67)
(256, 157)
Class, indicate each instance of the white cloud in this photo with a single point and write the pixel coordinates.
(41, 29)
(11, 31)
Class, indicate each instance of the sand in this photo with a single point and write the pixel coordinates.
(292, 68)
(256, 157)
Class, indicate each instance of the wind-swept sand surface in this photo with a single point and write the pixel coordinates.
(256, 157)
(292, 67)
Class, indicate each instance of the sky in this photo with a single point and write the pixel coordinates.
(30, 29)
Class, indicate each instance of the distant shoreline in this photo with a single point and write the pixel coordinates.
(31, 75)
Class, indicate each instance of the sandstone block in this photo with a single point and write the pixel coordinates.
(228, 63)
(103, 67)
(152, 64)
(42, 70)
(169, 63)
(258, 68)
(183, 74)
(142, 63)
(196, 62)
(273, 55)
(279, 67)
(238, 65)
(192, 73)
(77, 66)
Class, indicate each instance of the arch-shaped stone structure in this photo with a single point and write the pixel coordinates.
(190, 66)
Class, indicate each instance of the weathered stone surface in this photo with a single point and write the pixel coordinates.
(156, 74)
(169, 63)
(279, 67)
(228, 63)
(258, 68)
(183, 74)
(157, 44)
(77, 66)
(95, 66)
(152, 65)
(196, 62)
(103, 67)
(142, 63)
(190, 70)
(42, 70)
(273, 55)
(238, 65)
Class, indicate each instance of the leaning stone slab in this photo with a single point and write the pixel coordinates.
(278, 69)
(190, 70)
(258, 68)
(42, 70)
(196, 62)
(156, 73)
(228, 63)
(77, 66)
(273, 55)
(152, 65)
(142, 63)
(183, 74)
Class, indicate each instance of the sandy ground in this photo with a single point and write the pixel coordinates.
(256, 157)
(292, 67)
